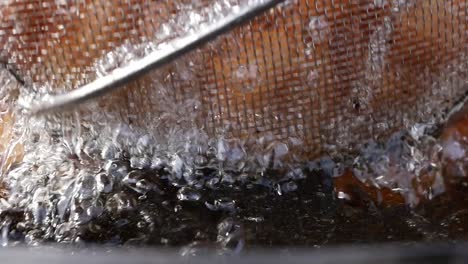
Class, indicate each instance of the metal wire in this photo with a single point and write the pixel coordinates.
(155, 59)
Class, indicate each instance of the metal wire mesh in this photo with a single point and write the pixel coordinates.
(328, 72)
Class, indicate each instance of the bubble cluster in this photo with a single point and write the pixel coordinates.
(318, 29)
(401, 162)
(78, 169)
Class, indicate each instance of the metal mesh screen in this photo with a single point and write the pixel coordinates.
(328, 72)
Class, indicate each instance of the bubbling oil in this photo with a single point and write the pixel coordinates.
(94, 176)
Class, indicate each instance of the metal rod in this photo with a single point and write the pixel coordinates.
(171, 50)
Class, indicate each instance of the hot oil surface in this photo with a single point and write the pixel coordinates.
(113, 200)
